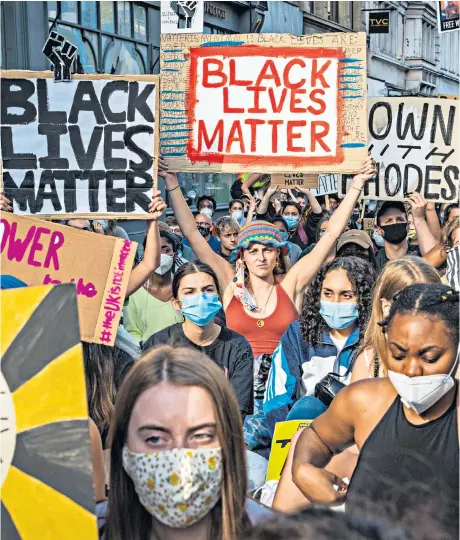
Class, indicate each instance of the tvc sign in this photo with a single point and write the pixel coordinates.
(379, 22)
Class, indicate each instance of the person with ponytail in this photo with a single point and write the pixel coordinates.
(406, 426)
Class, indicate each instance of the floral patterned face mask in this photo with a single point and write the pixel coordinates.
(178, 487)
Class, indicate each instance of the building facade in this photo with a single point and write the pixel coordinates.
(124, 38)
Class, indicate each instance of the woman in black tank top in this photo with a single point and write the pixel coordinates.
(406, 426)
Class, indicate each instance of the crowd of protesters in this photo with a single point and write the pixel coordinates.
(284, 309)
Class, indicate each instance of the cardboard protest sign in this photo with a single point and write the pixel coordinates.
(182, 17)
(80, 149)
(270, 103)
(326, 185)
(415, 142)
(280, 446)
(368, 225)
(294, 180)
(448, 16)
(46, 470)
(40, 252)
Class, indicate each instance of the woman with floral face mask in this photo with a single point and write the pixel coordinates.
(406, 426)
(196, 294)
(177, 455)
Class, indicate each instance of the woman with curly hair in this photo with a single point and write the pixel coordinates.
(335, 312)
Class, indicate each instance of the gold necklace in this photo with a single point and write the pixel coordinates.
(260, 322)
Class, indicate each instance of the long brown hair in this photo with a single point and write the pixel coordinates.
(100, 385)
(127, 518)
(447, 230)
(396, 276)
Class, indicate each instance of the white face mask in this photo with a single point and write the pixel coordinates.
(207, 212)
(165, 264)
(378, 239)
(421, 393)
(178, 487)
(237, 214)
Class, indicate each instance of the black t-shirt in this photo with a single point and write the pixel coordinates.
(381, 258)
(229, 350)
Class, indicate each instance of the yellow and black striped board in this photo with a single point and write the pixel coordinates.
(46, 471)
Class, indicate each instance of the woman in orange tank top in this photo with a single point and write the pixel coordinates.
(252, 297)
(256, 304)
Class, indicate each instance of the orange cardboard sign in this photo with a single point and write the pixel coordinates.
(271, 103)
(44, 253)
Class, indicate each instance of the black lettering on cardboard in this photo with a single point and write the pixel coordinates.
(374, 108)
(136, 193)
(406, 177)
(446, 132)
(449, 172)
(47, 179)
(45, 116)
(23, 195)
(401, 130)
(112, 194)
(431, 181)
(85, 159)
(409, 148)
(70, 191)
(388, 169)
(94, 177)
(53, 134)
(146, 159)
(433, 152)
(107, 91)
(111, 162)
(10, 159)
(139, 102)
(86, 88)
(12, 97)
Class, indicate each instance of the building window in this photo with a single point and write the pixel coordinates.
(111, 37)
(333, 11)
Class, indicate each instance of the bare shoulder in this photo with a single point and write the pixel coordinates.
(370, 396)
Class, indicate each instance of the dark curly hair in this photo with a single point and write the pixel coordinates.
(361, 275)
(434, 300)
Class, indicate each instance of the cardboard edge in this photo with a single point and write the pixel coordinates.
(114, 267)
(27, 74)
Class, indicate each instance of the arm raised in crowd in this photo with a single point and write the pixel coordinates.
(301, 274)
(314, 204)
(263, 205)
(152, 252)
(187, 224)
(426, 240)
(433, 221)
(251, 210)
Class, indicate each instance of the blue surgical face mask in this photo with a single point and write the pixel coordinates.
(339, 315)
(200, 308)
(291, 221)
(380, 242)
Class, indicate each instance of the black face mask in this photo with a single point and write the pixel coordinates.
(203, 231)
(396, 233)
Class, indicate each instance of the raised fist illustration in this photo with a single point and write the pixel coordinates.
(182, 8)
(61, 53)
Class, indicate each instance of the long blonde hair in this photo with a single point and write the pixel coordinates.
(127, 518)
(396, 276)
